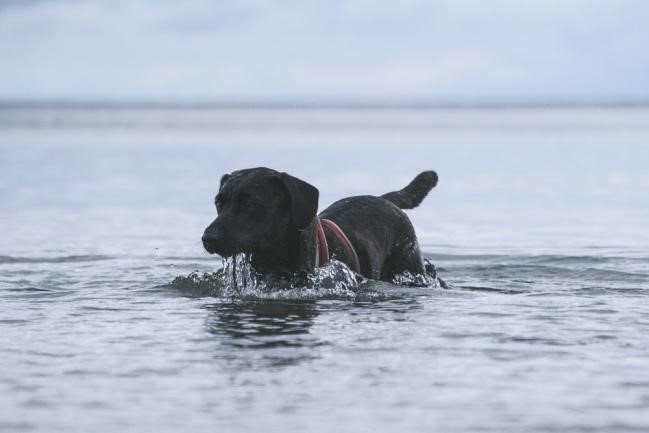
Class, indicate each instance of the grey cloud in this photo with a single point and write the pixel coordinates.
(450, 50)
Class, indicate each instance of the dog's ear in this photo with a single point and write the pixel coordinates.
(224, 180)
(304, 200)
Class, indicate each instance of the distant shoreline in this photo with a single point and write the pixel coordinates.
(305, 105)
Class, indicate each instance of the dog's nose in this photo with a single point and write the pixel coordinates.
(211, 241)
(216, 241)
(208, 237)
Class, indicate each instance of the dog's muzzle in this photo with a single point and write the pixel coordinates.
(215, 243)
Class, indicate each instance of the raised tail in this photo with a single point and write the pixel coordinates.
(412, 195)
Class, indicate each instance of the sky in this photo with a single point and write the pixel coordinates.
(439, 51)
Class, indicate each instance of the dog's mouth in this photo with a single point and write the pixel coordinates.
(222, 251)
(221, 248)
(215, 245)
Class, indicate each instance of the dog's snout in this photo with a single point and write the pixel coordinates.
(212, 239)
(216, 241)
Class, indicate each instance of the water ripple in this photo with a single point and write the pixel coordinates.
(61, 259)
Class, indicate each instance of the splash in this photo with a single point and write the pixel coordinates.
(239, 274)
(427, 279)
(415, 280)
(237, 279)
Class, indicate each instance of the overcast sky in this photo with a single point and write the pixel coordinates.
(356, 50)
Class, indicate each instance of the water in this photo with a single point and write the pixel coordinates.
(539, 223)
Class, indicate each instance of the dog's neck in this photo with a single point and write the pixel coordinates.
(292, 252)
(304, 250)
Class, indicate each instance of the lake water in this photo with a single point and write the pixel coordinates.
(539, 223)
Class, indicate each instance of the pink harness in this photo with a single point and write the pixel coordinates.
(322, 249)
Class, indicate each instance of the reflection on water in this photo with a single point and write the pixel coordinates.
(279, 331)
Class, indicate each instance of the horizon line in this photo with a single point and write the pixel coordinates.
(310, 104)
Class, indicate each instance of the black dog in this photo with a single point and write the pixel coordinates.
(272, 217)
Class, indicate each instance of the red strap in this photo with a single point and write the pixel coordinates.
(348, 247)
(321, 247)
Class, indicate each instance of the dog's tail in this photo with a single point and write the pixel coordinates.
(412, 195)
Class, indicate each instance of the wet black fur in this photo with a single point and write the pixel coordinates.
(270, 215)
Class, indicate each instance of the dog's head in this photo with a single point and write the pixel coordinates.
(256, 209)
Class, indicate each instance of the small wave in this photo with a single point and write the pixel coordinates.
(567, 260)
(465, 257)
(27, 289)
(530, 273)
(491, 289)
(63, 259)
(537, 259)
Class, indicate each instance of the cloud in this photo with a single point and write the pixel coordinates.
(461, 50)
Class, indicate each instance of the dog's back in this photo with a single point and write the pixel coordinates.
(380, 231)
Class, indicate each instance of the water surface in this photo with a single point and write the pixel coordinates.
(538, 223)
